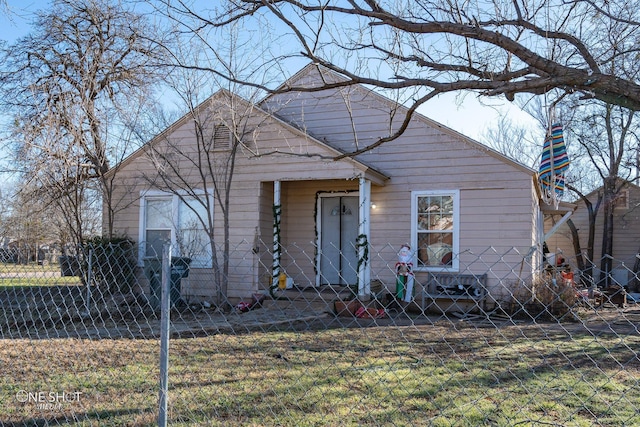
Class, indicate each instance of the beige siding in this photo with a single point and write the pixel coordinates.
(626, 240)
(495, 194)
(275, 153)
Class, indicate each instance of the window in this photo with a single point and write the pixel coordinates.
(166, 218)
(159, 225)
(434, 217)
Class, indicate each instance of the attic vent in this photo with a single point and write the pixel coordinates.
(221, 137)
(622, 199)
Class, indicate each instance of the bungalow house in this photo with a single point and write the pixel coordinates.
(626, 233)
(297, 206)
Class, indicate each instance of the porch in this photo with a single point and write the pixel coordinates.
(325, 225)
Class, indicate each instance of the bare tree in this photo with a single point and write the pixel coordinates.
(199, 168)
(26, 227)
(199, 171)
(603, 144)
(427, 47)
(520, 143)
(608, 137)
(71, 86)
(4, 8)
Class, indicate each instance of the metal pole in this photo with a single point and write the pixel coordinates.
(164, 335)
(89, 278)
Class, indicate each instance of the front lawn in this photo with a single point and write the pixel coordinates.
(436, 375)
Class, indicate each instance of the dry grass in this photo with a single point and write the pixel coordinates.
(442, 375)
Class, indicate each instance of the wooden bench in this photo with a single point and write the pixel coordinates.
(454, 287)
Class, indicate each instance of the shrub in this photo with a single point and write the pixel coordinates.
(546, 297)
(554, 297)
(113, 262)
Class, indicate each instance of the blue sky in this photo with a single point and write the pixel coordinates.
(17, 22)
(470, 118)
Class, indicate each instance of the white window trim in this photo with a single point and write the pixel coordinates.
(455, 265)
(142, 220)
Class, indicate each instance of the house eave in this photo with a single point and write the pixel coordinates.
(416, 116)
(561, 209)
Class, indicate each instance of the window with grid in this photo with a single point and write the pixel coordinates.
(434, 229)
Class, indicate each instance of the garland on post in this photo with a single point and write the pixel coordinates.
(362, 242)
(316, 253)
(277, 249)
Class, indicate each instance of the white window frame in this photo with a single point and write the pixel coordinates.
(455, 262)
(175, 209)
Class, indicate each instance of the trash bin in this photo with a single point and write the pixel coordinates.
(179, 270)
(153, 273)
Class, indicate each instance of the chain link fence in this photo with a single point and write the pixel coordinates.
(497, 343)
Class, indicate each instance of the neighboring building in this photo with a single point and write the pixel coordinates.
(626, 233)
(450, 197)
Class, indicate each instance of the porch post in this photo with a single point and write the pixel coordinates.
(364, 266)
(277, 211)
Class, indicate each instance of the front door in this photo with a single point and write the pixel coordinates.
(337, 234)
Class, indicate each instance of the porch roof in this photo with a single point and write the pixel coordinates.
(370, 174)
(561, 209)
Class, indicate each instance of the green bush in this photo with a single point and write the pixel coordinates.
(113, 262)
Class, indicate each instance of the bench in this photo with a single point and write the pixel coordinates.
(455, 287)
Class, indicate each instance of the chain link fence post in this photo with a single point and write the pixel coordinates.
(87, 313)
(164, 335)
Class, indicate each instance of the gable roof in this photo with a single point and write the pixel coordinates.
(299, 82)
(625, 184)
(372, 174)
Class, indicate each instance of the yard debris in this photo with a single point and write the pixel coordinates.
(355, 308)
(346, 308)
(632, 298)
(370, 313)
(468, 316)
(256, 302)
